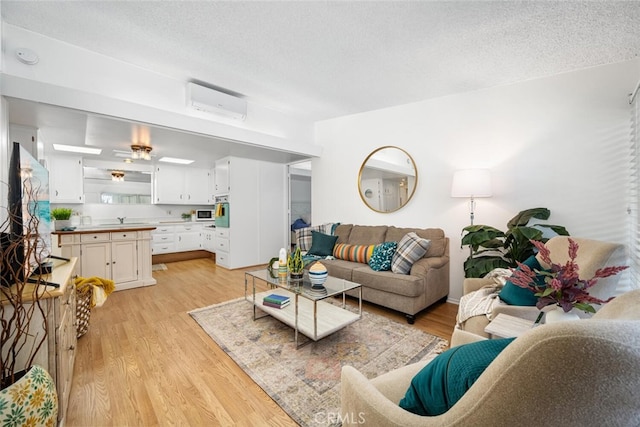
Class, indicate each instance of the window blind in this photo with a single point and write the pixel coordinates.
(634, 195)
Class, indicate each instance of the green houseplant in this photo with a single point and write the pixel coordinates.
(62, 217)
(295, 264)
(492, 248)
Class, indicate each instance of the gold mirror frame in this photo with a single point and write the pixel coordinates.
(387, 179)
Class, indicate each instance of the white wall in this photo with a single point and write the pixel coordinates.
(559, 142)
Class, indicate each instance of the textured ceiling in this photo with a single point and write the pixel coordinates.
(332, 58)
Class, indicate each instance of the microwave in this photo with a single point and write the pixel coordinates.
(205, 215)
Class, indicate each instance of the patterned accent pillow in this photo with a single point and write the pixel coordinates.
(382, 256)
(304, 236)
(410, 249)
(355, 253)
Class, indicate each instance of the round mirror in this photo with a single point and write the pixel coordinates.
(387, 179)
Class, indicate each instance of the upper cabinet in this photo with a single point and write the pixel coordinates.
(176, 185)
(65, 179)
(222, 176)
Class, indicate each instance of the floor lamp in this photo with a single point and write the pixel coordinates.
(471, 183)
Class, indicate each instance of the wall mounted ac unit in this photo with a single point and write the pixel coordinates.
(211, 101)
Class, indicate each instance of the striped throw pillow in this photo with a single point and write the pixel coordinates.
(355, 253)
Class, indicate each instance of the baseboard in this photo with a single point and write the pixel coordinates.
(181, 256)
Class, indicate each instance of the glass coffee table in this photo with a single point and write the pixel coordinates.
(307, 313)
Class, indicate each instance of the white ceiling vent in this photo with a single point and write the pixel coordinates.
(211, 101)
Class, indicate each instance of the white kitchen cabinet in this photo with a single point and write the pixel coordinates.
(169, 182)
(181, 185)
(163, 238)
(196, 190)
(222, 246)
(258, 219)
(211, 197)
(187, 237)
(123, 256)
(221, 179)
(66, 179)
(208, 239)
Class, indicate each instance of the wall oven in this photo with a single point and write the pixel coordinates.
(222, 211)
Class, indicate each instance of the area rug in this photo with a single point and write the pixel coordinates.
(159, 267)
(305, 383)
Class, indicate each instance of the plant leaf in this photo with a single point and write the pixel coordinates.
(523, 217)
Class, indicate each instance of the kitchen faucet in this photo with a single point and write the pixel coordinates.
(121, 219)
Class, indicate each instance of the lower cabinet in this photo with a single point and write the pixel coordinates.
(122, 256)
(58, 352)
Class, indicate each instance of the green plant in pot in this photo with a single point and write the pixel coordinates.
(492, 248)
(296, 264)
(62, 217)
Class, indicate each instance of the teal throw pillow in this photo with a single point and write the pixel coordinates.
(513, 294)
(440, 384)
(322, 244)
(382, 255)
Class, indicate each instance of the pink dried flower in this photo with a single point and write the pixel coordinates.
(563, 284)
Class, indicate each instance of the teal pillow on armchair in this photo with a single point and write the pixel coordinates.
(513, 294)
(440, 384)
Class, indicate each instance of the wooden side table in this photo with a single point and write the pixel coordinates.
(505, 326)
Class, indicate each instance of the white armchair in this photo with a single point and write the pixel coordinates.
(592, 255)
(526, 384)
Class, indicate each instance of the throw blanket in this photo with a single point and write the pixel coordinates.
(482, 301)
(101, 288)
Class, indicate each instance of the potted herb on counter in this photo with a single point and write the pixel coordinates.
(62, 217)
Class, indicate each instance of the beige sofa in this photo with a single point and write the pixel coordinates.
(582, 373)
(427, 282)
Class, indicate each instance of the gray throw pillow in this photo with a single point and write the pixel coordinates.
(410, 249)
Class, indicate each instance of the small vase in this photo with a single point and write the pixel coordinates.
(559, 315)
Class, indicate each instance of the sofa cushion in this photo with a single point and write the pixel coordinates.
(322, 244)
(410, 249)
(513, 294)
(356, 253)
(343, 231)
(382, 255)
(438, 240)
(440, 384)
(341, 269)
(386, 281)
(367, 234)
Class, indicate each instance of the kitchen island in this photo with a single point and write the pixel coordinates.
(121, 253)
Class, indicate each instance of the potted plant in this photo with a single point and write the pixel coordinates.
(296, 264)
(492, 248)
(62, 217)
(562, 285)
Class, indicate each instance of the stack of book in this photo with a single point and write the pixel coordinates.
(276, 301)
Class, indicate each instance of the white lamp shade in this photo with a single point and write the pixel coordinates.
(471, 183)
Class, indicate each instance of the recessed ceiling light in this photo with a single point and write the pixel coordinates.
(76, 149)
(175, 160)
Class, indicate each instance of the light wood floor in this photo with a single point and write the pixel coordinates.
(145, 362)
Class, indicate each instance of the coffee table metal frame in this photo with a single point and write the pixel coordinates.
(307, 313)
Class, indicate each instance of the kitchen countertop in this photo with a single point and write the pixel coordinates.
(107, 228)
